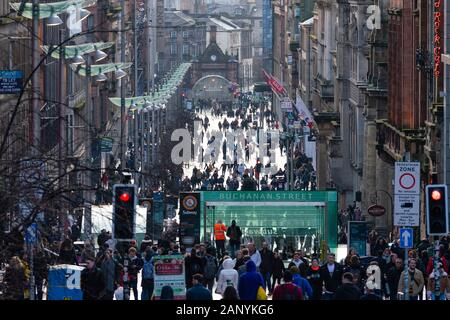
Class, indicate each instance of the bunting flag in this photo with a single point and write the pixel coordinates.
(273, 83)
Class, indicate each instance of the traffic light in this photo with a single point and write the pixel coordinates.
(124, 208)
(437, 216)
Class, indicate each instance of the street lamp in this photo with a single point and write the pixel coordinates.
(77, 60)
(100, 78)
(120, 74)
(84, 14)
(54, 20)
(99, 55)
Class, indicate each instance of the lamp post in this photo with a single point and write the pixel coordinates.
(392, 203)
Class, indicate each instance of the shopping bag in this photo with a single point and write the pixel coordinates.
(261, 294)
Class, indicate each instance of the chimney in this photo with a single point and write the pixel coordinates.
(212, 34)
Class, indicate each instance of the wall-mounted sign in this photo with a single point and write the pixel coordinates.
(437, 38)
(376, 210)
(10, 81)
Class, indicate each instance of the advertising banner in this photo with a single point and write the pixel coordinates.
(169, 271)
(357, 236)
(64, 282)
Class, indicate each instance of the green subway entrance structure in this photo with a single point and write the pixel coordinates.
(287, 220)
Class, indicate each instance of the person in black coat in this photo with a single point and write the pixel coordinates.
(67, 253)
(92, 283)
(278, 270)
(331, 274)
(393, 277)
(347, 290)
(194, 265)
(40, 272)
(266, 266)
(313, 275)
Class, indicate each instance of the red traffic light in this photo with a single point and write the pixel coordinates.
(436, 195)
(125, 197)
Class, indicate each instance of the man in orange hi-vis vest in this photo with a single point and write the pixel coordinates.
(219, 235)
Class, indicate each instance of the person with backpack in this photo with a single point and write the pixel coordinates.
(287, 290)
(147, 283)
(210, 269)
(194, 265)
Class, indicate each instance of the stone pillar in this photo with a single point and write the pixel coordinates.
(322, 161)
(369, 165)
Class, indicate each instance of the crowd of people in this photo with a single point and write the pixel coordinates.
(245, 174)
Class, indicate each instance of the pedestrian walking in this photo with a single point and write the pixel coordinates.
(266, 267)
(198, 291)
(110, 273)
(331, 274)
(277, 271)
(147, 282)
(249, 282)
(134, 266)
(254, 255)
(92, 283)
(228, 276)
(193, 265)
(313, 275)
(210, 269)
(287, 290)
(234, 233)
(15, 280)
(415, 281)
(230, 293)
(67, 253)
(347, 290)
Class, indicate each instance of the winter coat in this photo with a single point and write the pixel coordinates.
(393, 277)
(301, 264)
(266, 261)
(198, 292)
(430, 265)
(108, 268)
(416, 283)
(315, 279)
(331, 282)
(92, 283)
(444, 284)
(347, 291)
(67, 257)
(249, 282)
(278, 267)
(16, 283)
(134, 266)
(227, 277)
(193, 265)
(303, 284)
(287, 291)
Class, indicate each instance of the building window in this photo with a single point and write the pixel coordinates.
(173, 48)
(185, 34)
(185, 49)
(173, 34)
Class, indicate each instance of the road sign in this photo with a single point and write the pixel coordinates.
(31, 234)
(286, 104)
(406, 238)
(407, 178)
(407, 194)
(407, 210)
(10, 81)
(106, 144)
